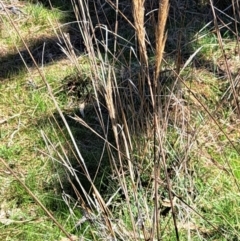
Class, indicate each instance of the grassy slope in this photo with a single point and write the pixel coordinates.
(210, 183)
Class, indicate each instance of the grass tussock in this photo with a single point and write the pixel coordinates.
(119, 123)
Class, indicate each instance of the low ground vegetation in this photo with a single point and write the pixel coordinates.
(119, 122)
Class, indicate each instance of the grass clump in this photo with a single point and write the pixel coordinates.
(109, 134)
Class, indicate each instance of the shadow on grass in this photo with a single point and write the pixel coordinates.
(44, 50)
(93, 151)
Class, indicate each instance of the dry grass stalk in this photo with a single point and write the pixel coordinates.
(144, 75)
(158, 131)
(120, 139)
(160, 34)
(138, 14)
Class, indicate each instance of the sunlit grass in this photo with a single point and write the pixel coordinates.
(125, 179)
